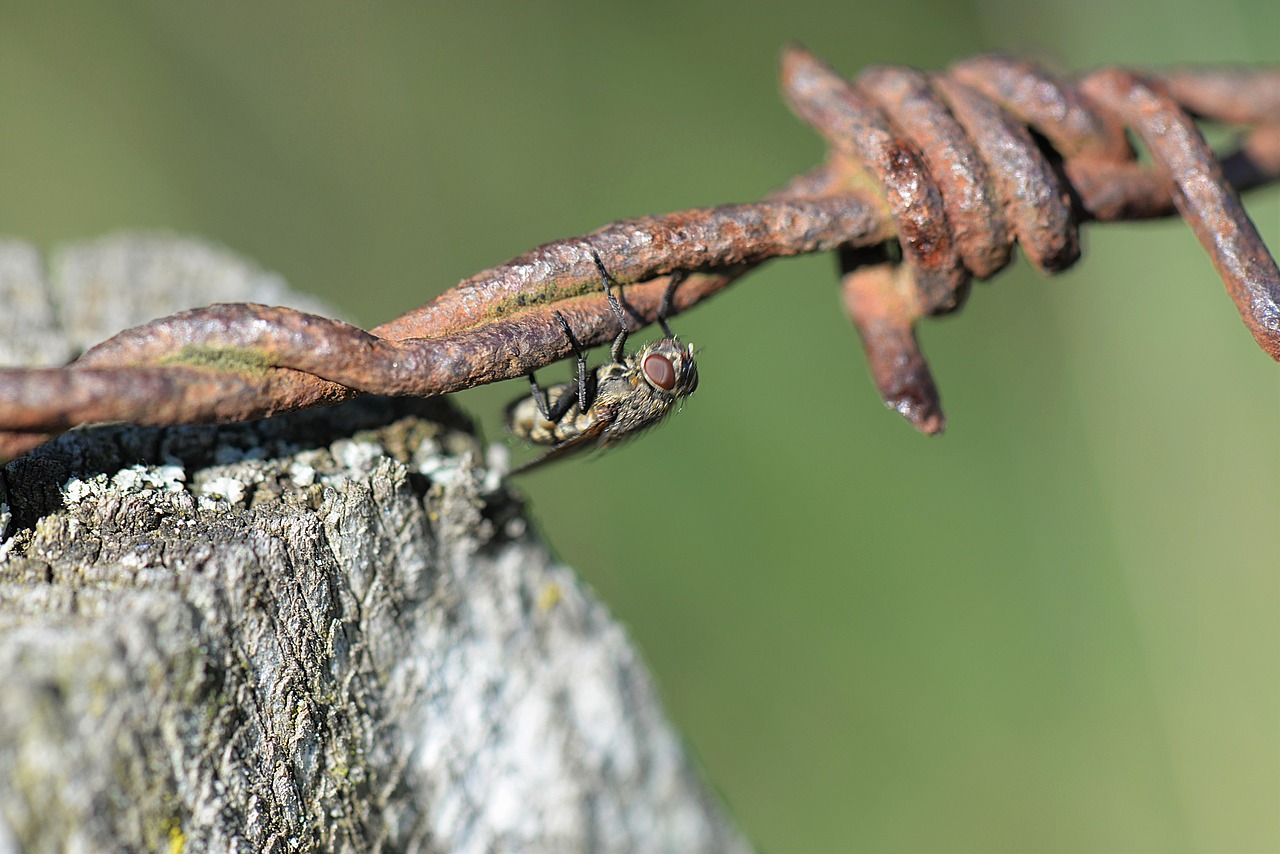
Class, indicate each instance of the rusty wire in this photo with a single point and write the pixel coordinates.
(929, 182)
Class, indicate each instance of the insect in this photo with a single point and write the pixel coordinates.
(612, 402)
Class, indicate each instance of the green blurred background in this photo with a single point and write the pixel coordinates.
(1053, 629)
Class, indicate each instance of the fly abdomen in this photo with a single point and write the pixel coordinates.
(525, 418)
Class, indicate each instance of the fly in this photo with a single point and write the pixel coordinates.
(612, 402)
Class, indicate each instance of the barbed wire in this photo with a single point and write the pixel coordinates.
(929, 182)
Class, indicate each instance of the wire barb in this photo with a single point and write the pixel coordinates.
(929, 182)
(964, 179)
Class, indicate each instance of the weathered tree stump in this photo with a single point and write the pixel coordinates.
(333, 630)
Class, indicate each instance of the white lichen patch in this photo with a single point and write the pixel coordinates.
(77, 491)
(355, 455)
(448, 472)
(221, 489)
(301, 473)
(135, 480)
(427, 449)
(144, 478)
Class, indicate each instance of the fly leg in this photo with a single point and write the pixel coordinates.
(620, 343)
(553, 412)
(616, 352)
(665, 307)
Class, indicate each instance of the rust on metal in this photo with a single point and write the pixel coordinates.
(1201, 194)
(929, 182)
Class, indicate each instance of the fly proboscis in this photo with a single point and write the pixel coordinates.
(612, 402)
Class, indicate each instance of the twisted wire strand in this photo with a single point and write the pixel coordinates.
(953, 169)
(964, 176)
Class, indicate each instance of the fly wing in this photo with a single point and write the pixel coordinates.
(587, 439)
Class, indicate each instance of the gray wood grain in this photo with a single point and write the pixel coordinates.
(335, 630)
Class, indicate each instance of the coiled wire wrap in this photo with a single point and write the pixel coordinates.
(997, 151)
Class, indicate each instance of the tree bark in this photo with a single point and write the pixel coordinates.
(333, 630)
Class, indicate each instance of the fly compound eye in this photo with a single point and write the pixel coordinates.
(659, 371)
